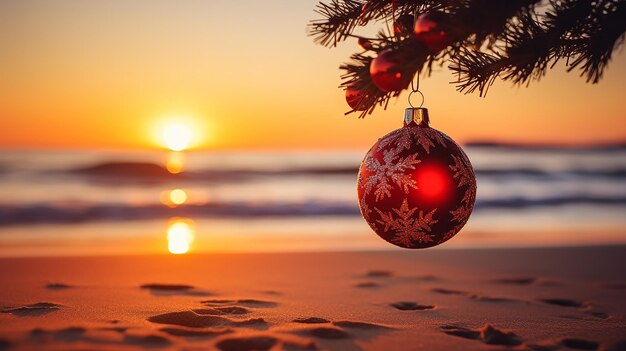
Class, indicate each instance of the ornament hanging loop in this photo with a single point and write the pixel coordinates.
(421, 95)
(415, 88)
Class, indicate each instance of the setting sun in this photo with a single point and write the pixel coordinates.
(177, 136)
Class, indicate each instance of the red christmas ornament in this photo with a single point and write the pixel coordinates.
(403, 25)
(387, 73)
(365, 44)
(430, 29)
(416, 186)
(354, 97)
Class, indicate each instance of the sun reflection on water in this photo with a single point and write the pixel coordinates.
(180, 235)
(175, 162)
(173, 198)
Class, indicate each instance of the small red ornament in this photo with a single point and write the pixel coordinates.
(430, 28)
(387, 72)
(366, 44)
(403, 25)
(354, 98)
(416, 186)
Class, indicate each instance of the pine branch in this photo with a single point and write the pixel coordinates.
(515, 40)
(340, 18)
(477, 70)
(605, 34)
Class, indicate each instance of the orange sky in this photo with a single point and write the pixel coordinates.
(244, 75)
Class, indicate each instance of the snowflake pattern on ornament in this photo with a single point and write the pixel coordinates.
(391, 169)
(405, 138)
(464, 175)
(461, 172)
(408, 228)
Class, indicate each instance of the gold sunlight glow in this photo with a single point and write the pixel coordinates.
(180, 235)
(177, 136)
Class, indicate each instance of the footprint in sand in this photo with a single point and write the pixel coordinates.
(487, 334)
(580, 344)
(243, 302)
(81, 335)
(217, 311)
(173, 289)
(58, 286)
(194, 320)
(448, 291)
(428, 278)
(492, 298)
(379, 273)
(586, 306)
(263, 343)
(359, 325)
(255, 343)
(66, 334)
(547, 345)
(311, 320)
(515, 281)
(367, 285)
(204, 333)
(615, 286)
(565, 302)
(329, 333)
(484, 298)
(36, 309)
(411, 306)
(147, 340)
(618, 346)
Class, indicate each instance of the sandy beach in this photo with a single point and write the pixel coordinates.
(493, 299)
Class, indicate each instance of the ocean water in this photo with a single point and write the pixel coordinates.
(56, 203)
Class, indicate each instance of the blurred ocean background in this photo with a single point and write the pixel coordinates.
(97, 202)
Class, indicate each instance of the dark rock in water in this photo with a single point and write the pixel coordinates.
(126, 169)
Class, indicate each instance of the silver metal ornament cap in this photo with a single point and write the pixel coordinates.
(416, 117)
